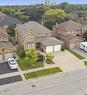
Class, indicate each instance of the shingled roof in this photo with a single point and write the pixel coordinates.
(47, 41)
(3, 34)
(7, 45)
(8, 20)
(32, 27)
(70, 25)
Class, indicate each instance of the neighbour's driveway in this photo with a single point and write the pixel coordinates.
(68, 62)
(81, 52)
(11, 79)
(4, 68)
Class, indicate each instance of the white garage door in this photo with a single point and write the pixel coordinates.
(1, 58)
(72, 45)
(8, 55)
(57, 48)
(49, 49)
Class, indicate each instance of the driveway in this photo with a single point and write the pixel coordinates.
(81, 52)
(67, 61)
(12, 79)
(4, 68)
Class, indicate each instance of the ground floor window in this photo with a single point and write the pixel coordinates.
(30, 45)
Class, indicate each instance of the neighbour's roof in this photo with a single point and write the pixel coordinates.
(70, 25)
(6, 45)
(8, 20)
(3, 34)
(2, 14)
(47, 41)
(32, 27)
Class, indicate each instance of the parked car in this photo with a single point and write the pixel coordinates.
(83, 46)
(12, 63)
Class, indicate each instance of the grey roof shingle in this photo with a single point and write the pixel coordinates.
(32, 27)
(8, 20)
(6, 45)
(2, 34)
(70, 25)
(47, 41)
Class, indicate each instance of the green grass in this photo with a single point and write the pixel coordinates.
(25, 65)
(76, 54)
(85, 62)
(42, 72)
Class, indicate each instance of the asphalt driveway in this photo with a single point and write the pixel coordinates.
(4, 68)
(12, 79)
(81, 52)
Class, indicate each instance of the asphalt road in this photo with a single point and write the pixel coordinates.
(69, 83)
(12, 79)
(4, 68)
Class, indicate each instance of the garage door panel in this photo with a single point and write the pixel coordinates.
(49, 49)
(8, 55)
(1, 57)
(57, 48)
(72, 45)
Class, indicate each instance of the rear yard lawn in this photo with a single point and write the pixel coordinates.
(42, 72)
(76, 54)
(25, 65)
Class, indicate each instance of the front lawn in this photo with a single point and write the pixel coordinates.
(25, 65)
(76, 54)
(42, 72)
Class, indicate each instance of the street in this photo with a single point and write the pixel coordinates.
(69, 83)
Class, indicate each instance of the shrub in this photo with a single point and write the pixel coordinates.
(49, 57)
(22, 54)
(63, 48)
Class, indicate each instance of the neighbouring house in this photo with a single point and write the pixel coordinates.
(70, 32)
(6, 20)
(73, 15)
(34, 35)
(7, 50)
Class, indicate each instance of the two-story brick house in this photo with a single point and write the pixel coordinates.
(70, 32)
(7, 50)
(32, 34)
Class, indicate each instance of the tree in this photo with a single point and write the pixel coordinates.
(32, 56)
(83, 15)
(49, 57)
(52, 16)
(11, 30)
(34, 12)
(22, 54)
(85, 35)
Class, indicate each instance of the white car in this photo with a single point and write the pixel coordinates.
(12, 63)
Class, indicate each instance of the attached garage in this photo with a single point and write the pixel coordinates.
(74, 45)
(49, 49)
(1, 57)
(57, 48)
(51, 44)
(53, 48)
(8, 55)
(6, 51)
